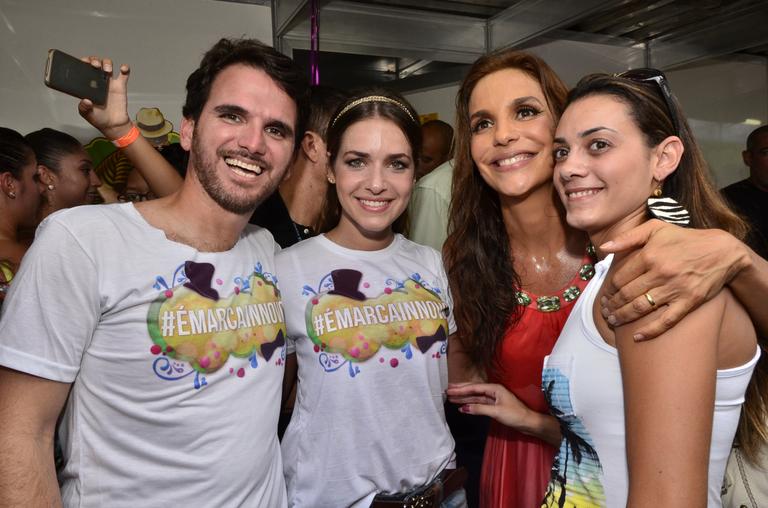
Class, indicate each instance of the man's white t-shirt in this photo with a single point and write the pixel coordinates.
(369, 329)
(175, 356)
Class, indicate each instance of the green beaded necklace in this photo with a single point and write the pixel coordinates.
(569, 294)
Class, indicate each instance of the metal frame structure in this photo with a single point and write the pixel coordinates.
(624, 30)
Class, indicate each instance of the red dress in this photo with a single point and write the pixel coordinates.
(516, 467)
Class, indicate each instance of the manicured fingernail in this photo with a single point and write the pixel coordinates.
(638, 337)
(605, 312)
(607, 245)
(464, 409)
(603, 301)
(612, 320)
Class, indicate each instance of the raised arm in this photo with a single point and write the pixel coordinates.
(682, 268)
(669, 391)
(113, 121)
(29, 408)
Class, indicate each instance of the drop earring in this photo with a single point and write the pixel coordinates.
(667, 209)
(12, 195)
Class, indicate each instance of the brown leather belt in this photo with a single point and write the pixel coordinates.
(428, 496)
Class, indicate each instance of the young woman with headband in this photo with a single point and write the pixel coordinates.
(368, 314)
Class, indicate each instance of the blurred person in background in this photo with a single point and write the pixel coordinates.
(65, 171)
(292, 213)
(437, 142)
(19, 201)
(749, 197)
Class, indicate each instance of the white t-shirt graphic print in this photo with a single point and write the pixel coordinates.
(176, 358)
(369, 329)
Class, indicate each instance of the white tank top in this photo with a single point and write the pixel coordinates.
(582, 382)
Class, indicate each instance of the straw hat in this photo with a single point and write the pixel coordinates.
(152, 123)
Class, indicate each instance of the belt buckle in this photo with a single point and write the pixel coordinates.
(425, 499)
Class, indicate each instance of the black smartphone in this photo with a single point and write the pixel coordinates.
(72, 76)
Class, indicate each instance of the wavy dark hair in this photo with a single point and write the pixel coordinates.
(477, 254)
(406, 119)
(15, 152)
(253, 53)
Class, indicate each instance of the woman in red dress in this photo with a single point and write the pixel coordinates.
(515, 267)
(508, 108)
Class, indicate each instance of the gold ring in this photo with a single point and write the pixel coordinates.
(650, 299)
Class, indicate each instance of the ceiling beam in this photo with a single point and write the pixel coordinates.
(440, 78)
(715, 38)
(409, 69)
(348, 27)
(528, 19)
(286, 13)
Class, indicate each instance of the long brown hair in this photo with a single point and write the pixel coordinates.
(691, 185)
(477, 254)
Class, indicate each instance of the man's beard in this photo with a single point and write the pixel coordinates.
(235, 202)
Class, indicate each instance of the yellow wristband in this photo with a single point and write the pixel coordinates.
(128, 138)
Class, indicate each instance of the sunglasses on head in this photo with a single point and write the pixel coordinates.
(645, 75)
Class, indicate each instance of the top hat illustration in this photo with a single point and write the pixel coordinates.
(152, 124)
(199, 277)
(345, 283)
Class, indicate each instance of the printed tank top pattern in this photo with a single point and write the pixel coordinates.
(349, 327)
(195, 328)
(576, 471)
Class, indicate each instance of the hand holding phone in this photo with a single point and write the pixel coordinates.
(72, 76)
(107, 110)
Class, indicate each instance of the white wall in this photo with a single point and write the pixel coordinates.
(162, 40)
(717, 97)
(440, 100)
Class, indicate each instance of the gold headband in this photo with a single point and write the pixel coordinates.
(372, 98)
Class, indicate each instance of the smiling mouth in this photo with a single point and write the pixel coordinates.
(520, 157)
(243, 168)
(581, 193)
(374, 205)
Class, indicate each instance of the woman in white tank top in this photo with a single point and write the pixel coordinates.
(643, 423)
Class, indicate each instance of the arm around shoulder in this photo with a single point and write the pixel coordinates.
(683, 268)
(750, 286)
